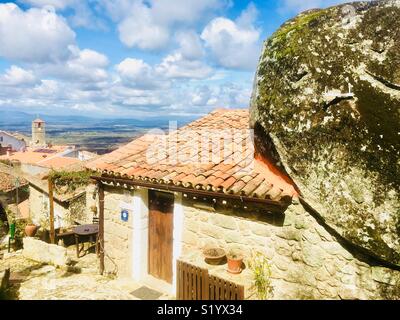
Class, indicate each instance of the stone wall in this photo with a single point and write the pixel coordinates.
(39, 209)
(307, 262)
(65, 213)
(91, 201)
(117, 233)
(41, 251)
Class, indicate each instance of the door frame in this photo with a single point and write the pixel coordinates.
(141, 235)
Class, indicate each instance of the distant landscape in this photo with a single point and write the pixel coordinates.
(96, 135)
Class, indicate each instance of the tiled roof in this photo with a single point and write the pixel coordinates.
(23, 210)
(184, 158)
(7, 182)
(58, 162)
(42, 157)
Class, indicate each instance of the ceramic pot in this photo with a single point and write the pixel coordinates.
(235, 264)
(214, 256)
(30, 230)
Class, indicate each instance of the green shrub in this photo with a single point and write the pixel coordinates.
(261, 269)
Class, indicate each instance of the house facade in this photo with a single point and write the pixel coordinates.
(167, 197)
(10, 142)
(70, 208)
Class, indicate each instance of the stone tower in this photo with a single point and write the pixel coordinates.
(38, 133)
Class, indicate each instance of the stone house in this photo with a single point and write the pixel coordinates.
(69, 208)
(34, 165)
(168, 196)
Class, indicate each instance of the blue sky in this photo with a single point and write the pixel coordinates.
(134, 58)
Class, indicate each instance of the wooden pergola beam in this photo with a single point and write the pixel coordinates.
(101, 226)
(51, 204)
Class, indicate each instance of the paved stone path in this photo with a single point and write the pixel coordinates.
(31, 280)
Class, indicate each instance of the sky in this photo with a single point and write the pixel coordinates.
(134, 58)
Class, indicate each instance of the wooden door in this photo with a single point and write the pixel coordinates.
(161, 208)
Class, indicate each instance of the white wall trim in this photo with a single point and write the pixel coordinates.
(140, 234)
(177, 235)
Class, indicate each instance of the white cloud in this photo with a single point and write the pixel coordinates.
(84, 66)
(186, 11)
(227, 95)
(141, 30)
(47, 88)
(234, 44)
(200, 96)
(85, 107)
(89, 58)
(135, 73)
(16, 76)
(56, 4)
(148, 24)
(81, 80)
(83, 15)
(190, 45)
(175, 66)
(48, 40)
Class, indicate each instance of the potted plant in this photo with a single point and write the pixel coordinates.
(30, 229)
(214, 256)
(235, 261)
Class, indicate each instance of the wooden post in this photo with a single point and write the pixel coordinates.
(51, 201)
(101, 226)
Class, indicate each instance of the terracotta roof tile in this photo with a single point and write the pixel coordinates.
(191, 158)
(7, 182)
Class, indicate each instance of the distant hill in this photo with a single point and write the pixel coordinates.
(92, 134)
(10, 118)
(14, 116)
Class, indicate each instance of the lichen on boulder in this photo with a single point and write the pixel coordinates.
(326, 103)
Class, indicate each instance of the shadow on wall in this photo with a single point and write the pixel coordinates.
(253, 211)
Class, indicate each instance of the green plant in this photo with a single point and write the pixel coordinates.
(233, 254)
(261, 269)
(69, 181)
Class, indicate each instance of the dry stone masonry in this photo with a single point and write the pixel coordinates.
(43, 252)
(117, 233)
(307, 261)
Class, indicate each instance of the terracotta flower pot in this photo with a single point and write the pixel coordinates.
(30, 230)
(235, 264)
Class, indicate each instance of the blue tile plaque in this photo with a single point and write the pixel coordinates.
(124, 215)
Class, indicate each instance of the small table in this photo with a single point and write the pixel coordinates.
(87, 230)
